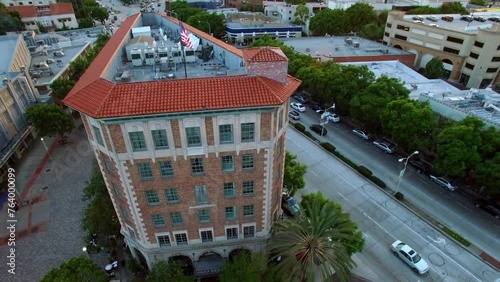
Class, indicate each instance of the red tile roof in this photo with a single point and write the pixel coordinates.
(264, 54)
(24, 11)
(100, 98)
(61, 8)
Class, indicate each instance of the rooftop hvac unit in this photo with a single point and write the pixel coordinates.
(355, 44)
(137, 57)
(162, 52)
(149, 56)
(348, 40)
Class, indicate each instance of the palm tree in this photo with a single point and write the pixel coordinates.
(315, 242)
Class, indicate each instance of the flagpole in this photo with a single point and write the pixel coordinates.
(184, 60)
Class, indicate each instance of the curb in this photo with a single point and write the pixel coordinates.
(408, 208)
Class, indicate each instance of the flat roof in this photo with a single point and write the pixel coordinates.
(250, 20)
(336, 46)
(457, 24)
(8, 45)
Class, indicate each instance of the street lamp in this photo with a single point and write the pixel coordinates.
(46, 149)
(209, 27)
(404, 168)
(84, 249)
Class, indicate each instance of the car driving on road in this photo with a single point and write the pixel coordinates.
(298, 106)
(443, 182)
(384, 146)
(361, 134)
(491, 208)
(318, 129)
(421, 166)
(410, 257)
(333, 117)
(294, 115)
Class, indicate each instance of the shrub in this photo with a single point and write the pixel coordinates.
(299, 127)
(345, 160)
(309, 134)
(399, 196)
(364, 171)
(377, 181)
(329, 147)
(456, 236)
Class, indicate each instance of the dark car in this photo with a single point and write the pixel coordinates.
(488, 207)
(447, 18)
(467, 18)
(317, 108)
(294, 115)
(480, 19)
(301, 98)
(318, 129)
(421, 166)
(432, 18)
(494, 19)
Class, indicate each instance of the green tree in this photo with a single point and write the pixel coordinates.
(9, 20)
(478, 3)
(293, 178)
(313, 243)
(434, 69)
(168, 271)
(85, 23)
(100, 203)
(99, 14)
(453, 8)
(78, 269)
(355, 241)
(301, 15)
(409, 123)
(372, 31)
(424, 10)
(183, 11)
(208, 22)
(78, 66)
(49, 120)
(244, 268)
(359, 15)
(367, 105)
(296, 2)
(382, 17)
(457, 148)
(488, 175)
(61, 87)
(328, 21)
(41, 27)
(491, 143)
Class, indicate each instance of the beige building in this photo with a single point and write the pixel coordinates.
(51, 16)
(192, 155)
(470, 51)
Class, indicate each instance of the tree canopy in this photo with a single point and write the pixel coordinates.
(168, 271)
(78, 269)
(208, 22)
(293, 178)
(9, 20)
(446, 8)
(244, 268)
(50, 120)
(434, 69)
(61, 87)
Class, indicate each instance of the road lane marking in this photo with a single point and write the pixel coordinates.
(379, 226)
(311, 171)
(343, 196)
(464, 206)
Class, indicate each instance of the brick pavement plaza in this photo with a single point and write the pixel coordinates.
(48, 231)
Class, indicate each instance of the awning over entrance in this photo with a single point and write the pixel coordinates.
(208, 266)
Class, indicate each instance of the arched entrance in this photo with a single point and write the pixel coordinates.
(209, 264)
(416, 55)
(234, 253)
(425, 59)
(142, 259)
(398, 47)
(448, 66)
(185, 262)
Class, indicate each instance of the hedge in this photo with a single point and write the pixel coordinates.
(399, 196)
(377, 181)
(364, 171)
(299, 127)
(329, 147)
(309, 134)
(345, 160)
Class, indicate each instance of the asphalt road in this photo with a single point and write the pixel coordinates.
(382, 221)
(450, 208)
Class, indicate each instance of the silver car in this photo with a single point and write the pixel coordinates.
(443, 182)
(361, 134)
(386, 148)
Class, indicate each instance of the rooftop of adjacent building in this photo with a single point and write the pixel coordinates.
(457, 24)
(340, 46)
(245, 20)
(482, 103)
(8, 45)
(32, 11)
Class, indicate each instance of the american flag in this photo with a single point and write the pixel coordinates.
(186, 41)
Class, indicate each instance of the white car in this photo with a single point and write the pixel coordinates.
(333, 117)
(410, 257)
(443, 182)
(298, 106)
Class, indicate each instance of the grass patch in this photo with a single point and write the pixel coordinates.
(457, 237)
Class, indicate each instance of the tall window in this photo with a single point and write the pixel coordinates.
(232, 233)
(172, 196)
(152, 197)
(176, 218)
(248, 210)
(98, 135)
(247, 132)
(118, 193)
(109, 167)
(227, 163)
(247, 162)
(248, 231)
(158, 220)
(229, 190)
(206, 236)
(181, 239)
(137, 141)
(197, 166)
(193, 136)
(145, 171)
(279, 148)
(160, 138)
(204, 216)
(231, 212)
(166, 169)
(226, 133)
(280, 119)
(201, 194)
(248, 189)
(164, 241)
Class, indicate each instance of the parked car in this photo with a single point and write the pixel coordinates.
(418, 18)
(290, 206)
(432, 18)
(480, 19)
(410, 257)
(361, 134)
(298, 106)
(421, 166)
(443, 182)
(494, 19)
(447, 18)
(467, 18)
(317, 108)
(491, 208)
(384, 146)
(333, 117)
(318, 129)
(301, 98)
(294, 115)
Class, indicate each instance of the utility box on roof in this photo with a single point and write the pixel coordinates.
(141, 31)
